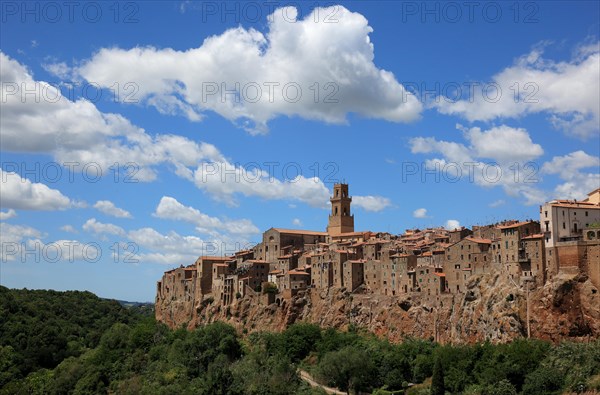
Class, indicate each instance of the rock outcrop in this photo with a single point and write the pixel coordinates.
(567, 307)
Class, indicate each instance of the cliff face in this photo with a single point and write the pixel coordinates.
(491, 309)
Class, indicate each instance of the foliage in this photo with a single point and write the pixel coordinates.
(75, 343)
(437, 381)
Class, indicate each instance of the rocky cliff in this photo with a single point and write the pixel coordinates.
(492, 309)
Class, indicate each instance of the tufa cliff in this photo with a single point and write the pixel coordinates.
(566, 307)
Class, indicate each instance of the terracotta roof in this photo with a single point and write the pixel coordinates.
(215, 258)
(428, 253)
(352, 233)
(300, 232)
(275, 272)
(440, 274)
(534, 236)
(256, 261)
(298, 272)
(285, 256)
(515, 225)
(479, 241)
(588, 205)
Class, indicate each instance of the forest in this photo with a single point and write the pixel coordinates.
(77, 343)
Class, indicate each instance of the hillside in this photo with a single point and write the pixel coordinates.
(110, 349)
(491, 309)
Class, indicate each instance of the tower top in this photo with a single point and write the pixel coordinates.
(341, 219)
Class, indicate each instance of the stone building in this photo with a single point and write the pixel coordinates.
(511, 252)
(341, 220)
(353, 274)
(464, 258)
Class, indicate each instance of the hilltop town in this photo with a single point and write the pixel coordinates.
(434, 267)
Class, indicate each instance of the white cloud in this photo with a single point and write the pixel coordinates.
(265, 67)
(93, 226)
(567, 91)
(21, 193)
(452, 224)
(497, 203)
(501, 156)
(107, 207)
(223, 181)
(60, 70)
(23, 244)
(13, 238)
(371, 203)
(76, 131)
(68, 228)
(296, 222)
(7, 215)
(170, 208)
(569, 169)
(420, 213)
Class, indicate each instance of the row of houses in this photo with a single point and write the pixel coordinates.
(433, 261)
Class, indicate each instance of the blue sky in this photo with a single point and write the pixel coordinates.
(136, 136)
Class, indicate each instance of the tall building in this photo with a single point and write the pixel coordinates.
(340, 220)
(566, 220)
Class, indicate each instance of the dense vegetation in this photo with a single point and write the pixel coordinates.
(76, 343)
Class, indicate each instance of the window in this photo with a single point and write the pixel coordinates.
(564, 226)
(546, 214)
(586, 213)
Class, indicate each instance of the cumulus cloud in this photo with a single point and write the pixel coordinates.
(23, 243)
(577, 183)
(173, 248)
(534, 84)
(4, 215)
(497, 203)
(107, 207)
(21, 193)
(93, 226)
(296, 222)
(76, 131)
(170, 208)
(68, 228)
(371, 203)
(224, 180)
(500, 156)
(452, 224)
(420, 213)
(250, 78)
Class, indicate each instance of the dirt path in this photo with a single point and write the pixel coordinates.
(304, 375)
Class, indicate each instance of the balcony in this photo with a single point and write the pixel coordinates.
(523, 258)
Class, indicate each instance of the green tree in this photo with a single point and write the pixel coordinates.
(503, 387)
(347, 369)
(437, 381)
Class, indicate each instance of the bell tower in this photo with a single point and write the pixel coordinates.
(340, 219)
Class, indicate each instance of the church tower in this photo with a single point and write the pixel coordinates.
(340, 219)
